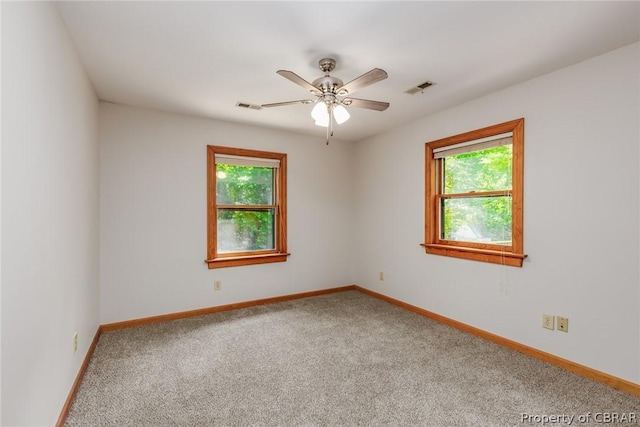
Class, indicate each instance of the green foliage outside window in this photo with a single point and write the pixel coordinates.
(245, 229)
(484, 218)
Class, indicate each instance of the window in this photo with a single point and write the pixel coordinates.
(474, 195)
(246, 207)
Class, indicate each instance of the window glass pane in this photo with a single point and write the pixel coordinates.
(244, 185)
(477, 219)
(485, 170)
(245, 230)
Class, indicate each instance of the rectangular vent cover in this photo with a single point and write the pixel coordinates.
(249, 106)
(419, 88)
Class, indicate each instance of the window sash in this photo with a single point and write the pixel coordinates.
(494, 244)
(274, 190)
(272, 231)
(441, 174)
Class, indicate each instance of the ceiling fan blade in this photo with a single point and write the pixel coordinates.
(364, 80)
(290, 75)
(365, 103)
(280, 104)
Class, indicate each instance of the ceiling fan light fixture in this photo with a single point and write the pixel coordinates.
(341, 114)
(320, 114)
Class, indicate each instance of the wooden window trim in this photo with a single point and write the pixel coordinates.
(279, 254)
(507, 255)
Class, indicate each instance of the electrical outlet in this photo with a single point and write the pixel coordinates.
(563, 324)
(381, 276)
(217, 285)
(75, 343)
(547, 321)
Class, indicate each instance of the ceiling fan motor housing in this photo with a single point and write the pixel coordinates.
(327, 84)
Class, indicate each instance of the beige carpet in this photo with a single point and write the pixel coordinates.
(335, 360)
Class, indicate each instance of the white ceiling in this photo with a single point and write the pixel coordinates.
(200, 58)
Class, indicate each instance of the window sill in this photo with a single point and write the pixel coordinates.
(223, 262)
(484, 255)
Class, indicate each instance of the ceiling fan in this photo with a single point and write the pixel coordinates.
(332, 95)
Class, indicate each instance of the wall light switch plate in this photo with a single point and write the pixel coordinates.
(547, 321)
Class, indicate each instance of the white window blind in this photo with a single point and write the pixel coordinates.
(475, 145)
(228, 159)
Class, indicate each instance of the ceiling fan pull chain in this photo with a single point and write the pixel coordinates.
(330, 128)
(328, 131)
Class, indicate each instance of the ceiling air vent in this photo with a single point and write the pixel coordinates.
(420, 88)
(249, 106)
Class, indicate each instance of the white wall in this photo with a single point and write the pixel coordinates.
(153, 214)
(49, 214)
(581, 216)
